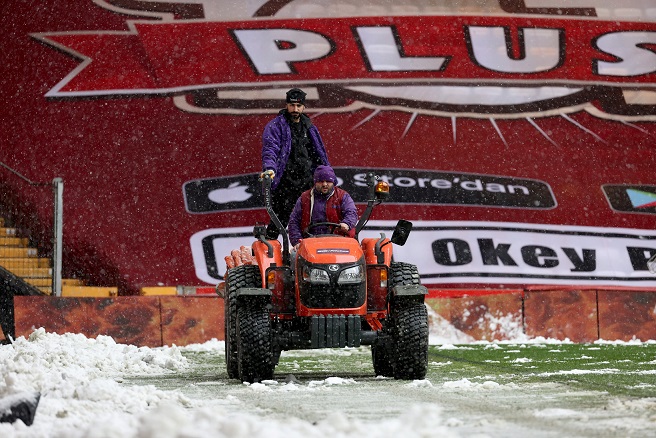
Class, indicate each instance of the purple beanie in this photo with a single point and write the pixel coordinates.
(325, 173)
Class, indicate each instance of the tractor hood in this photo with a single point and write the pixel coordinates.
(330, 249)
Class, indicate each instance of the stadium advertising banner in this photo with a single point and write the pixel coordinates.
(489, 252)
(518, 136)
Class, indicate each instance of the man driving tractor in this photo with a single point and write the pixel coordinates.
(323, 203)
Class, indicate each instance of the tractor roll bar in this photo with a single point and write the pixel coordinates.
(266, 187)
(374, 198)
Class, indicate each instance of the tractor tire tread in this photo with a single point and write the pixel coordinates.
(236, 278)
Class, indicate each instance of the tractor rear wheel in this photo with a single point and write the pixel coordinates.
(255, 353)
(236, 278)
(409, 327)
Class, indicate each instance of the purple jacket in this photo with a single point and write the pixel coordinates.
(347, 207)
(277, 144)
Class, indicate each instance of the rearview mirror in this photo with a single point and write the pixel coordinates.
(401, 232)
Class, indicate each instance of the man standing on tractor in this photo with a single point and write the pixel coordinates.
(323, 203)
(291, 150)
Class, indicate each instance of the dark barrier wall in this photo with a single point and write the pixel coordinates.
(578, 315)
(519, 139)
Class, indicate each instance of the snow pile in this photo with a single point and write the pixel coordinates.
(466, 384)
(79, 383)
(442, 331)
(68, 365)
(85, 393)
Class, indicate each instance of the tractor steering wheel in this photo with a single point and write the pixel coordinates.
(332, 226)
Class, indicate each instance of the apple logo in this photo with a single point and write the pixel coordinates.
(233, 193)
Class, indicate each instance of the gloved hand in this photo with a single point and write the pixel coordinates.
(342, 230)
(269, 172)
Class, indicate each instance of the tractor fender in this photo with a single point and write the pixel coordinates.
(409, 290)
(253, 294)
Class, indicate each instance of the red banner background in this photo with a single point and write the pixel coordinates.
(124, 160)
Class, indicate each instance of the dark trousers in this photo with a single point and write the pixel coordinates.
(283, 200)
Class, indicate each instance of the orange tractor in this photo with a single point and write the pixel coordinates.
(336, 292)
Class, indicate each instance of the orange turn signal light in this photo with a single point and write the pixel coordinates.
(271, 280)
(383, 278)
(382, 188)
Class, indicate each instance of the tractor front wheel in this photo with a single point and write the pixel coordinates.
(408, 326)
(236, 278)
(256, 360)
(410, 334)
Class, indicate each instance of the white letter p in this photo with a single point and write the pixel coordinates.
(272, 51)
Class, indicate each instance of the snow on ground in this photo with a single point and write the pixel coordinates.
(82, 396)
(86, 392)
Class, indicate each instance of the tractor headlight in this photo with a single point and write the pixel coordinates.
(351, 275)
(315, 275)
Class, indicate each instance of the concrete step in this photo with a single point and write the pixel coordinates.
(67, 284)
(10, 263)
(17, 252)
(72, 282)
(38, 282)
(31, 272)
(14, 241)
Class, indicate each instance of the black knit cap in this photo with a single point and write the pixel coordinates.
(296, 95)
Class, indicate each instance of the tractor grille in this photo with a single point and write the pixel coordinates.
(319, 296)
(327, 331)
(331, 292)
